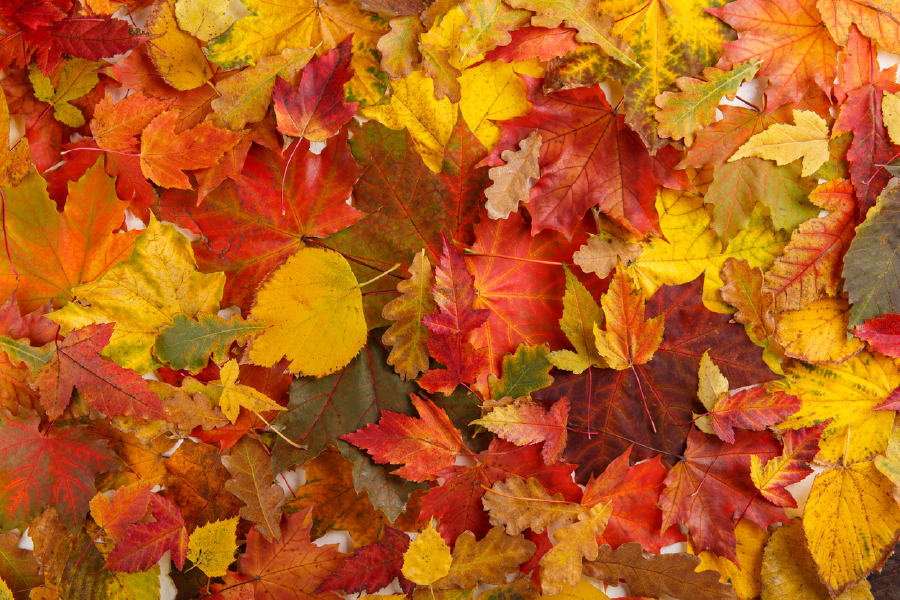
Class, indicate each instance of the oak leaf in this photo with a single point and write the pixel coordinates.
(292, 567)
(576, 542)
(490, 24)
(399, 48)
(882, 333)
(800, 447)
(192, 411)
(807, 138)
(601, 257)
(850, 507)
(485, 561)
(159, 281)
(512, 182)
(428, 558)
(145, 543)
(253, 482)
(423, 446)
(712, 485)
(520, 504)
(672, 574)
(408, 335)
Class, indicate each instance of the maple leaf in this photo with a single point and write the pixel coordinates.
(116, 126)
(253, 482)
(165, 157)
(317, 109)
(694, 107)
(633, 495)
(41, 470)
(871, 259)
(615, 412)
(143, 294)
(861, 95)
(788, 38)
(811, 264)
(712, 484)
(882, 333)
(526, 423)
(524, 372)
(754, 408)
(145, 543)
(875, 21)
(837, 495)
(806, 139)
(127, 506)
(485, 561)
(800, 447)
(372, 567)
(584, 143)
(408, 335)
(541, 42)
(457, 503)
(105, 385)
(672, 574)
(245, 232)
(54, 252)
(211, 547)
(78, 77)
(423, 446)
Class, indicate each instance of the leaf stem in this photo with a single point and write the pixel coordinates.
(377, 277)
(469, 252)
(275, 429)
(308, 240)
(750, 104)
(644, 398)
(6, 236)
(254, 580)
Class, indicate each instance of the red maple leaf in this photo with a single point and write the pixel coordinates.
(860, 97)
(515, 279)
(531, 42)
(633, 494)
(711, 489)
(372, 567)
(94, 38)
(145, 543)
(754, 408)
(589, 157)
(457, 503)
(317, 110)
(454, 293)
(35, 326)
(668, 384)
(246, 234)
(292, 567)
(800, 447)
(56, 468)
(423, 446)
(108, 387)
(883, 333)
(127, 506)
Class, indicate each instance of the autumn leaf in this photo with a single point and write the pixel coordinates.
(580, 314)
(575, 542)
(291, 567)
(882, 333)
(211, 547)
(317, 109)
(188, 344)
(524, 423)
(800, 447)
(806, 139)
(127, 506)
(18, 567)
(408, 335)
(235, 396)
(743, 290)
(372, 567)
(204, 19)
(423, 446)
(145, 543)
(872, 255)
(818, 333)
(513, 181)
(520, 504)
(428, 558)
(253, 482)
(15, 162)
(524, 372)
(485, 561)
(541, 42)
(140, 299)
(175, 53)
(841, 499)
(116, 126)
(601, 257)
(78, 77)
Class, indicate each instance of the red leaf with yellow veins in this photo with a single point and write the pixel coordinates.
(317, 110)
(245, 234)
(810, 266)
(771, 478)
(628, 340)
(861, 96)
(423, 446)
(608, 406)
(457, 503)
(56, 468)
(145, 543)
(108, 387)
(165, 157)
(634, 494)
(882, 333)
(754, 408)
(291, 568)
(589, 157)
(711, 488)
(789, 38)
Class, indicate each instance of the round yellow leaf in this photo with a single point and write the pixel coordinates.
(314, 306)
(851, 523)
(428, 558)
(212, 546)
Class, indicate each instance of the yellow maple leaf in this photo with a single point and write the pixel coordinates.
(846, 394)
(751, 539)
(142, 295)
(211, 547)
(235, 395)
(851, 523)
(314, 307)
(807, 138)
(427, 559)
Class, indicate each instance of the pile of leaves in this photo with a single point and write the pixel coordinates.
(504, 274)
